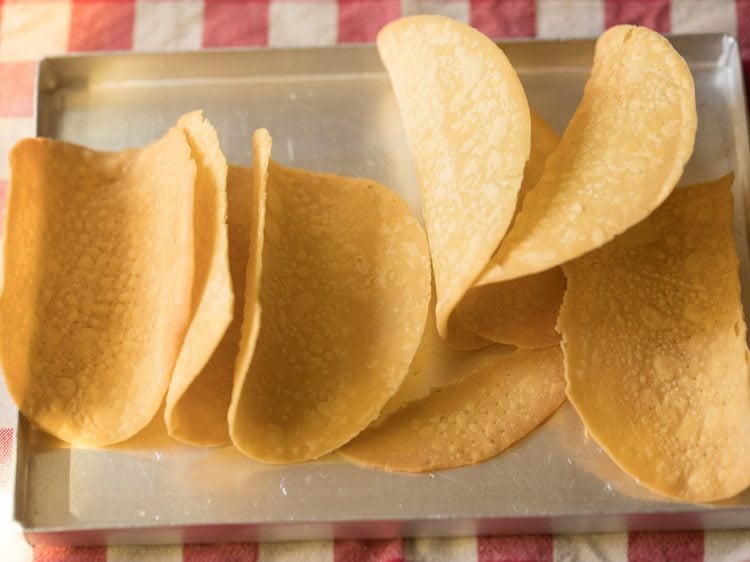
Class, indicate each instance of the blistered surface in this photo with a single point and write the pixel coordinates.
(467, 121)
(344, 290)
(620, 156)
(498, 400)
(96, 295)
(655, 348)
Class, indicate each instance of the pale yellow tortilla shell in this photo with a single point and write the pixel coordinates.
(654, 340)
(198, 415)
(344, 291)
(522, 311)
(499, 400)
(619, 158)
(467, 123)
(98, 269)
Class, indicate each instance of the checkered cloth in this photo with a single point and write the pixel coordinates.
(32, 29)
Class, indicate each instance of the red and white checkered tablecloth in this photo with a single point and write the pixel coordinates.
(32, 29)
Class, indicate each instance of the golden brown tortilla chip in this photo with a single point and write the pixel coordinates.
(522, 311)
(344, 291)
(197, 398)
(499, 399)
(98, 269)
(467, 122)
(619, 158)
(655, 349)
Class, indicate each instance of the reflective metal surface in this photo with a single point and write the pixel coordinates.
(332, 110)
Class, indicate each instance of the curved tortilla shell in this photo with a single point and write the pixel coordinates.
(467, 123)
(619, 158)
(345, 289)
(198, 415)
(654, 340)
(499, 399)
(98, 269)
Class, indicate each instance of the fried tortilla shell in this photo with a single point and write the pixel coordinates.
(497, 401)
(620, 156)
(655, 348)
(344, 291)
(98, 269)
(468, 127)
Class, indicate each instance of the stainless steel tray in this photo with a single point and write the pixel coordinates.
(332, 110)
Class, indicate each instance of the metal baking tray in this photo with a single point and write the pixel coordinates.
(332, 110)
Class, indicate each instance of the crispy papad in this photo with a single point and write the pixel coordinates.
(96, 297)
(345, 287)
(523, 311)
(198, 395)
(467, 123)
(498, 400)
(655, 350)
(620, 156)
